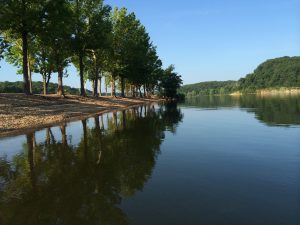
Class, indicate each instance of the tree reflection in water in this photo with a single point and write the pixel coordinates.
(271, 110)
(54, 182)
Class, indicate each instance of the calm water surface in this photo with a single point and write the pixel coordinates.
(210, 160)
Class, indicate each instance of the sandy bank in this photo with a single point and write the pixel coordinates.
(272, 92)
(19, 113)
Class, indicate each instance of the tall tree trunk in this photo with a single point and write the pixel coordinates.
(44, 84)
(140, 92)
(48, 80)
(136, 91)
(145, 93)
(113, 87)
(81, 71)
(132, 90)
(96, 88)
(26, 83)
(93, 86)
(60, 87)
(127, 90)
(29, 76)
(122, 87)
(99, 86)
(96, 77)
(105, 88)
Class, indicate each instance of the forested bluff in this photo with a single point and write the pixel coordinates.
(274, 75)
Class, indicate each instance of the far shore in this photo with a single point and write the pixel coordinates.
(20, 113)
(272, 92)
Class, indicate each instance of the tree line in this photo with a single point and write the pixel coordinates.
(209, 88)
(274, 73)
(45, 36)
(37, 88)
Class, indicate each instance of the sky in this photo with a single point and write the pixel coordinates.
(210, 39)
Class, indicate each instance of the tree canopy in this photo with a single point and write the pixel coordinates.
(279, 72)
(171, 81)
(45, 36)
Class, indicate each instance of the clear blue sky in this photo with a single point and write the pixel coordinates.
(212, 39)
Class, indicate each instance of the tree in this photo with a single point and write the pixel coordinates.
(154, 71)
(137, 59)
(97, 42)
(134, 59)
(14, 55)
(123, 40)
(44, 63)
(170, 82)
(149, 71)
(44, 36)
(56, 33)
(116, 51)
(20, 18)
(89, 17)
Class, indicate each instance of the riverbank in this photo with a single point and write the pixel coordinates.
(272, 92)
(19, 113)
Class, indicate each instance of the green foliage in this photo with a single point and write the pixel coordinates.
(44, 36)
(279, 72)
(91, 28)
(37, 88)
(3, 47)
(21, 18)
(126, 47)
(14, 52)
(170, 82)
(274, 73)
(19, 15)
(57, 30)
(209, 88)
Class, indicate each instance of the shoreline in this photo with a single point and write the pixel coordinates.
(20, 113)
(271, 92)
(260, 92)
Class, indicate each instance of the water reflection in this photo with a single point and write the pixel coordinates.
(57, 182)
(271, 110)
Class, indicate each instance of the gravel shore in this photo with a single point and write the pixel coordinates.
(19, 112)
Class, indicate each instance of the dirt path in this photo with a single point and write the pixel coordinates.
(19, 113)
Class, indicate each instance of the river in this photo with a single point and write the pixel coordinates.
(210, 160)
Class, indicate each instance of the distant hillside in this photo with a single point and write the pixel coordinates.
(37, 88)
(210, 87)
(279, 72)
(274, 73)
